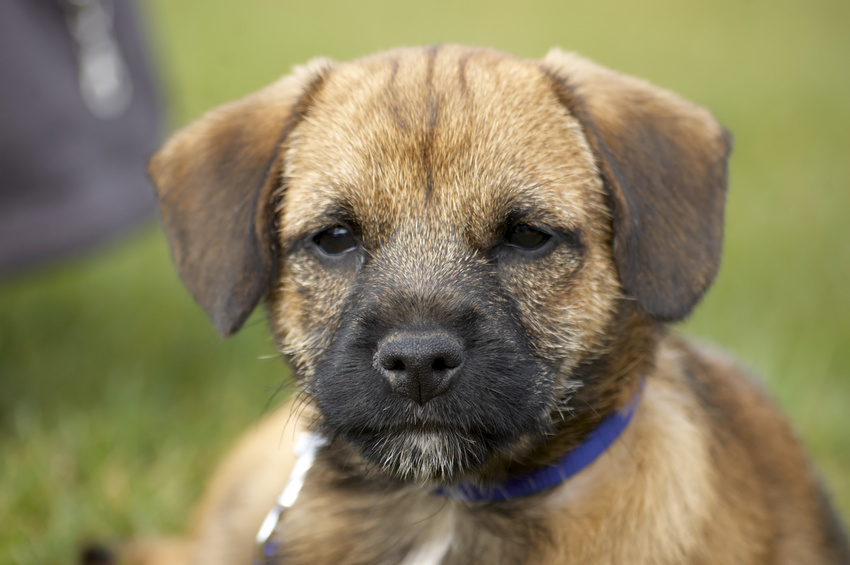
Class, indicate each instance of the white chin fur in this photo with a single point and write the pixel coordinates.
(426, 457)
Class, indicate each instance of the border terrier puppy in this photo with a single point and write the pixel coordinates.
(469, 259)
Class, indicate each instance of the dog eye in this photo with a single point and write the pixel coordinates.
(335, 241)
(526, 237)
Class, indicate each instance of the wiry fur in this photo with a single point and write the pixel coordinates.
(429, 157)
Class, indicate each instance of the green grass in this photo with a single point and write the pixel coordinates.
(116, 397)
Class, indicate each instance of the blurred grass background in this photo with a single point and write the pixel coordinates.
(116, 396)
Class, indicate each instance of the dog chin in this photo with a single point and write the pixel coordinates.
(425, 457)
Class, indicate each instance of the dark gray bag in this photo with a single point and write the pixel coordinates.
(79, 117)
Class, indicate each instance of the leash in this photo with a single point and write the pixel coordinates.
(594, 445)
(306, 448)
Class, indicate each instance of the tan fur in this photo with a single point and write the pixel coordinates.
(429, 152)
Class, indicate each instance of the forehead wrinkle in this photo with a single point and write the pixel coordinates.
(499, 138)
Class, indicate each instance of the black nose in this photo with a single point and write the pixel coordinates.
(419, 365)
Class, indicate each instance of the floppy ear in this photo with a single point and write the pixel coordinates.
(663, 161)
(215, 180)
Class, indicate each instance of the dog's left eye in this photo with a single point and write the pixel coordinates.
(335, 241)
(524, 236)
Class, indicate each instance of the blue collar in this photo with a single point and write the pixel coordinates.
(594, 445)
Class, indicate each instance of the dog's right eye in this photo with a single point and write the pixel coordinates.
(527, 238)
(335, 241)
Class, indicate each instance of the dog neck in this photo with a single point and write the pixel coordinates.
(595, 444)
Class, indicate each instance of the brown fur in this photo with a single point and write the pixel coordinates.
(429, 156)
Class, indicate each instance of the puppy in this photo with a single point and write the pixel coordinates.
(469, 260)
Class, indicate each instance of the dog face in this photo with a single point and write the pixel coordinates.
(459, 248)
(452, 269)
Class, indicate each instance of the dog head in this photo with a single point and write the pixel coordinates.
(465, 255)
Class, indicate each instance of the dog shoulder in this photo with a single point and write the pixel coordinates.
(236, 499)
(751, 438)
(705, 436)
(244, 487)
(650, 498)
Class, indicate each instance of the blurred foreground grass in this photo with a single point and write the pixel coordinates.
(116, 397)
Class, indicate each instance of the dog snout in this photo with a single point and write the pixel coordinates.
(419, 365)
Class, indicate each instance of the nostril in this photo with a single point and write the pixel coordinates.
(446, 363)
(391, 361)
